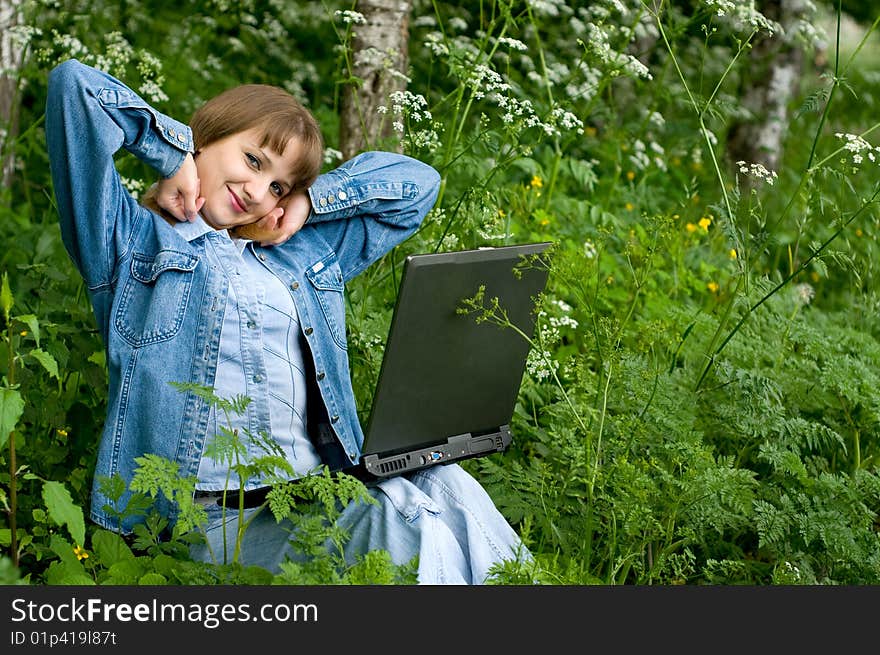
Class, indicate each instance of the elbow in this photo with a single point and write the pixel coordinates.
(65, 84)
(425, 180)
(430, 184)
(429, 188)
(65, 75)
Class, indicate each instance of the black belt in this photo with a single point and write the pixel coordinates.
(252, 497)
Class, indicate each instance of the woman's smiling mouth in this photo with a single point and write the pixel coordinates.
(236, 202)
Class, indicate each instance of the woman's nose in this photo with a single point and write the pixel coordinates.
(256, 190)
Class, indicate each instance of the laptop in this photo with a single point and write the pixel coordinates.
(448, 384)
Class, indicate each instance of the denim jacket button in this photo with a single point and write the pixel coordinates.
(309, 330)
(320, 375)
(258, 378)
(323, 202)
(341, 195)
(294, 285)
(334, 418)
(330, 198)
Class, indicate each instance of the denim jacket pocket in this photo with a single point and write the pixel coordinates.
(326, 281)
(155, 295)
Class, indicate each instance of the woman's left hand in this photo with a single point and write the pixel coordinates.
(179, 194)
(280, 224)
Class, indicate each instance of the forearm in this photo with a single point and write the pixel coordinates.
(386, 186)
(370, 204)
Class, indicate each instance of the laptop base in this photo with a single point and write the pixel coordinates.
(461, 446)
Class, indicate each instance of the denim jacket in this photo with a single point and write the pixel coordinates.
(159, 299)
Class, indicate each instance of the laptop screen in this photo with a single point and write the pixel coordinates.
(443, 373)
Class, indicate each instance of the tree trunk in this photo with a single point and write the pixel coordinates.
(380, 61)
(775, 67)
(11, 54)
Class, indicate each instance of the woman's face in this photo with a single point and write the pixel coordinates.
(241, 181)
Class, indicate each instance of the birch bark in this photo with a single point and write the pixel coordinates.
(776, 64)
(11, 56)
(380, 60)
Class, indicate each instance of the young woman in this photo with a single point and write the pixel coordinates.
(179, 299)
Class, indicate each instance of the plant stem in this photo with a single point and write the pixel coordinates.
(13, 482)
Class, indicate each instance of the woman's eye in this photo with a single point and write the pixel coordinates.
(277, 189)
(252, 160)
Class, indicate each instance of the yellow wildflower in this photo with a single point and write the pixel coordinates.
(501, 213)
(814, 276)
(630, 175)
(80, 553)
(859, 232)
(628, 206)
(732, 253)
(61, 432)
(690, 227)
(536, 182)
(23, 333)
(705, 222)
(713, 287)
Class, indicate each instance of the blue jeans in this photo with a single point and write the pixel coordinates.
(440, 514)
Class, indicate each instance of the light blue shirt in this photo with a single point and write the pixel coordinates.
(259, 341)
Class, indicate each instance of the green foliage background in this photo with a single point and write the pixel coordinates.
(701, 403)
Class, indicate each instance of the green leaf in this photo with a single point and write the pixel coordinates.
(98, 357)
(31, 321)
(152, 579)
(125, 572)
(6, 297)
(46, 360)
(66, 573)
(63, 510)
(61, 547)
(110, 548)
(11, 407)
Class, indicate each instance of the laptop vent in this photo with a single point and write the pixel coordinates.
(392, 465)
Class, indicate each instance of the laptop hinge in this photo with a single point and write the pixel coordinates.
(461, 446)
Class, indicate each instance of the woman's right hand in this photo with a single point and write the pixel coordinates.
(280, 224)
(179, 194)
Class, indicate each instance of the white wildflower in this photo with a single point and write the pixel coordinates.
(513, 44)
(331, 155)
(457, 24)
(540, 364)
(351, 17)
(804, 293)
(757, 171)
(858, 147)
(134, 187)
